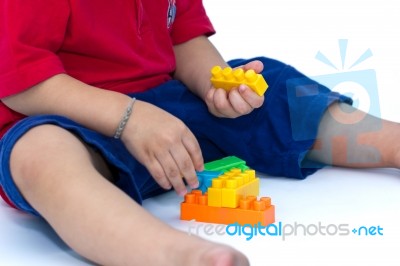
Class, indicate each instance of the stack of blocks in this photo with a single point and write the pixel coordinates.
(228, 194)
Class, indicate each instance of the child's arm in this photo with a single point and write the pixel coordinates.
(63, 95)
(358, 145)
(157, 139)
(194, 60)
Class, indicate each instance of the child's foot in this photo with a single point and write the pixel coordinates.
(200, 252)
(219, 255)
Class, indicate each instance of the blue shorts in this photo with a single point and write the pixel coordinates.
(273, 139)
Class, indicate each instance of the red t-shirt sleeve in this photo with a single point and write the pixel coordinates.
(31, 33)
(191, 21)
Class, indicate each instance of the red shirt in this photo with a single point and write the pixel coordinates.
(124, 45)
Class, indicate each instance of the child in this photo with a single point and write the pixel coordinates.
(104, 102)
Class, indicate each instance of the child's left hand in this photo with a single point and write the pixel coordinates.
(238, 101)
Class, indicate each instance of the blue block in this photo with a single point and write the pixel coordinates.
(205, 179)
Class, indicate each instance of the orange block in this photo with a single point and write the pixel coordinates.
(250, 210)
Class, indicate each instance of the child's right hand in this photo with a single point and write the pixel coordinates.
(164, 145)
(238, 101)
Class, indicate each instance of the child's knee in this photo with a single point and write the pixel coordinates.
(37, 149)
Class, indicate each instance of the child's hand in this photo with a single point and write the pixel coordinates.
(164, 145)
(239, 101)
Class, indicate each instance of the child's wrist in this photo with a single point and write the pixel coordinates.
(124, 120)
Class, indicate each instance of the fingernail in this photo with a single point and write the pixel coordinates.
(182, 193)
(200, 168)
(242, 88)
(194, 185)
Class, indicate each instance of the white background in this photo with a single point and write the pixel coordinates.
(293, 32)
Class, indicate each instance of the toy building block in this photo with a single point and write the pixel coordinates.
(228, 78)
(205, 179)
(216, 168)
(250, 210)
(229, 188)
(226, 164)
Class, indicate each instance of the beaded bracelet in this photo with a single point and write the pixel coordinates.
(124, 119)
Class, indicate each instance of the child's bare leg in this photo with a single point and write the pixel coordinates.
(351, 138)
(65, 182)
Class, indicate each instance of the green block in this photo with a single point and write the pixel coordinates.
(225, 164)
(243, 167)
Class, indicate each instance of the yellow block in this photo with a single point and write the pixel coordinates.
(227, 189)
(214, 193)
(228, 78)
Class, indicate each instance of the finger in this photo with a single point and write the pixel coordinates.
(256, 65)
(185, 164)
(252, 98)
(210, 95)
(172, 172)
(157, 172)
(210, 102)
(223, 105)
(238, 103)
(193, 148)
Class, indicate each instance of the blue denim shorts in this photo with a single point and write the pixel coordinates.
(273, 139)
